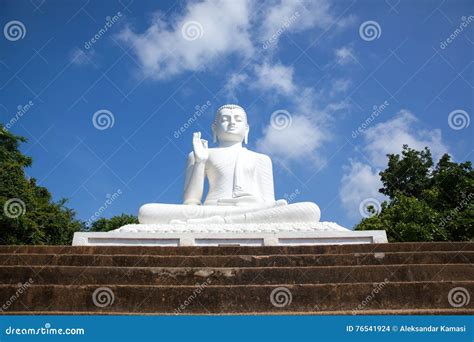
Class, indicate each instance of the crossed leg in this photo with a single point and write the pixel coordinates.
(158, 213)
(297, 212)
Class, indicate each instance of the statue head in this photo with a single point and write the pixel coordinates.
(230, 124)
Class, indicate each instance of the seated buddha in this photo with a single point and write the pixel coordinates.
(240, 182)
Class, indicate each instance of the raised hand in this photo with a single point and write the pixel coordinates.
(200, 149)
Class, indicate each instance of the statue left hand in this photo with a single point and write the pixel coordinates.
(200, 148)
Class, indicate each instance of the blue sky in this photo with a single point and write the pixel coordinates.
(346, 82)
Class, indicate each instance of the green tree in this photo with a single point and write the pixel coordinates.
(408, 175)
(28, 215)
(425, 203)
(104, 225)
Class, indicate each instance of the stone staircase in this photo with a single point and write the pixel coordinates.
(392, 278)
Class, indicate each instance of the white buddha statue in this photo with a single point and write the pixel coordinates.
(240, 183)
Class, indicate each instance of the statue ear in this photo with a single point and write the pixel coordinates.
(246, 139)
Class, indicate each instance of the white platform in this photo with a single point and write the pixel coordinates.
(266, 235)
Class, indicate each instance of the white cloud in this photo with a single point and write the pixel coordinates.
(264, 77)
(193, 41)
(312, 115)
(344, 55)
(295, 16)
(276, 77)
(301, 140)
(361, 179)
(80, 57)
(236, 28)
(389, 137)
(233, 83)
(359, 182)
(339, 86)
(298, 141)
(213, 29)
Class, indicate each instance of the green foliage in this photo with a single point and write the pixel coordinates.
(425, 203)
(407, 175)
(104, 225)
(27, 213)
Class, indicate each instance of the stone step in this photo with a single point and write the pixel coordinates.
(404, 311)
(329, 249)
(83, 275)
(335, 279)
(297, 260)
(357, 298)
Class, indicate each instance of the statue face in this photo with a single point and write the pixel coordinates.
(231, 125)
